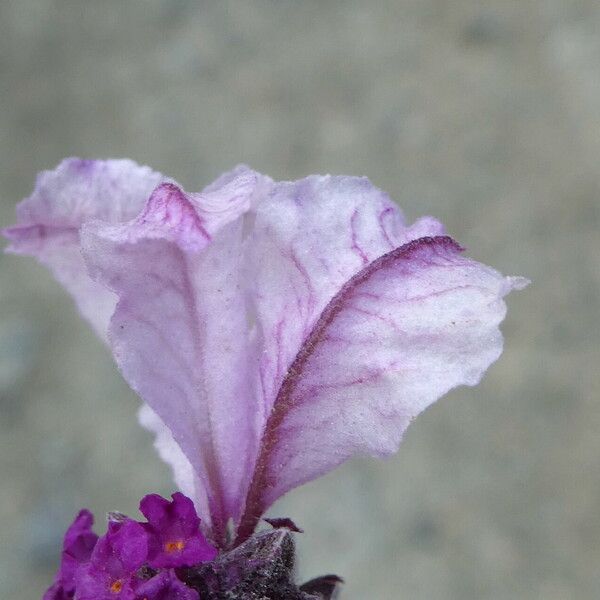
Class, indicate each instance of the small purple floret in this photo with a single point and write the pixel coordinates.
(165, 586)
(174, 535)
(79, 542)
(111, 572)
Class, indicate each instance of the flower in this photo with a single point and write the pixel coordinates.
(165, 586)
(272, 329)
(174, 533)
(79, 542)
(111, 571)
(129, 561)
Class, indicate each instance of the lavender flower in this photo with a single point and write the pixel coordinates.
(272, 329)
(111, 571)
(79, 542)
(132, 560)
(174, 532)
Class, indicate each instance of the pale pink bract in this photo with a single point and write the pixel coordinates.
(272, 329)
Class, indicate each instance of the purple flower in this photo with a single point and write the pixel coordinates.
(273, 330)
(174, 533)
(165, 586)
(79, 542)
(111, 571)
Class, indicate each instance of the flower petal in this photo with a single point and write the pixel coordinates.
(78, 544)
(309, 238)
(49, 222)
(129, 542)
(80, 539)
(49, 225)
(176, 270)
(165, 586)
(404, 330)
(183, 472)
(174, 532)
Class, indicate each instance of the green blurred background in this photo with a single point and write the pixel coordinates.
(485, 114)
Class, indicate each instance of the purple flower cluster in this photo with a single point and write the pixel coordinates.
(133, 561)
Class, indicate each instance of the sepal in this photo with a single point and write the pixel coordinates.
(262, 568)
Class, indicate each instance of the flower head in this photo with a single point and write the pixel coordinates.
(173, 528)
(133, 560)
(273, 329)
